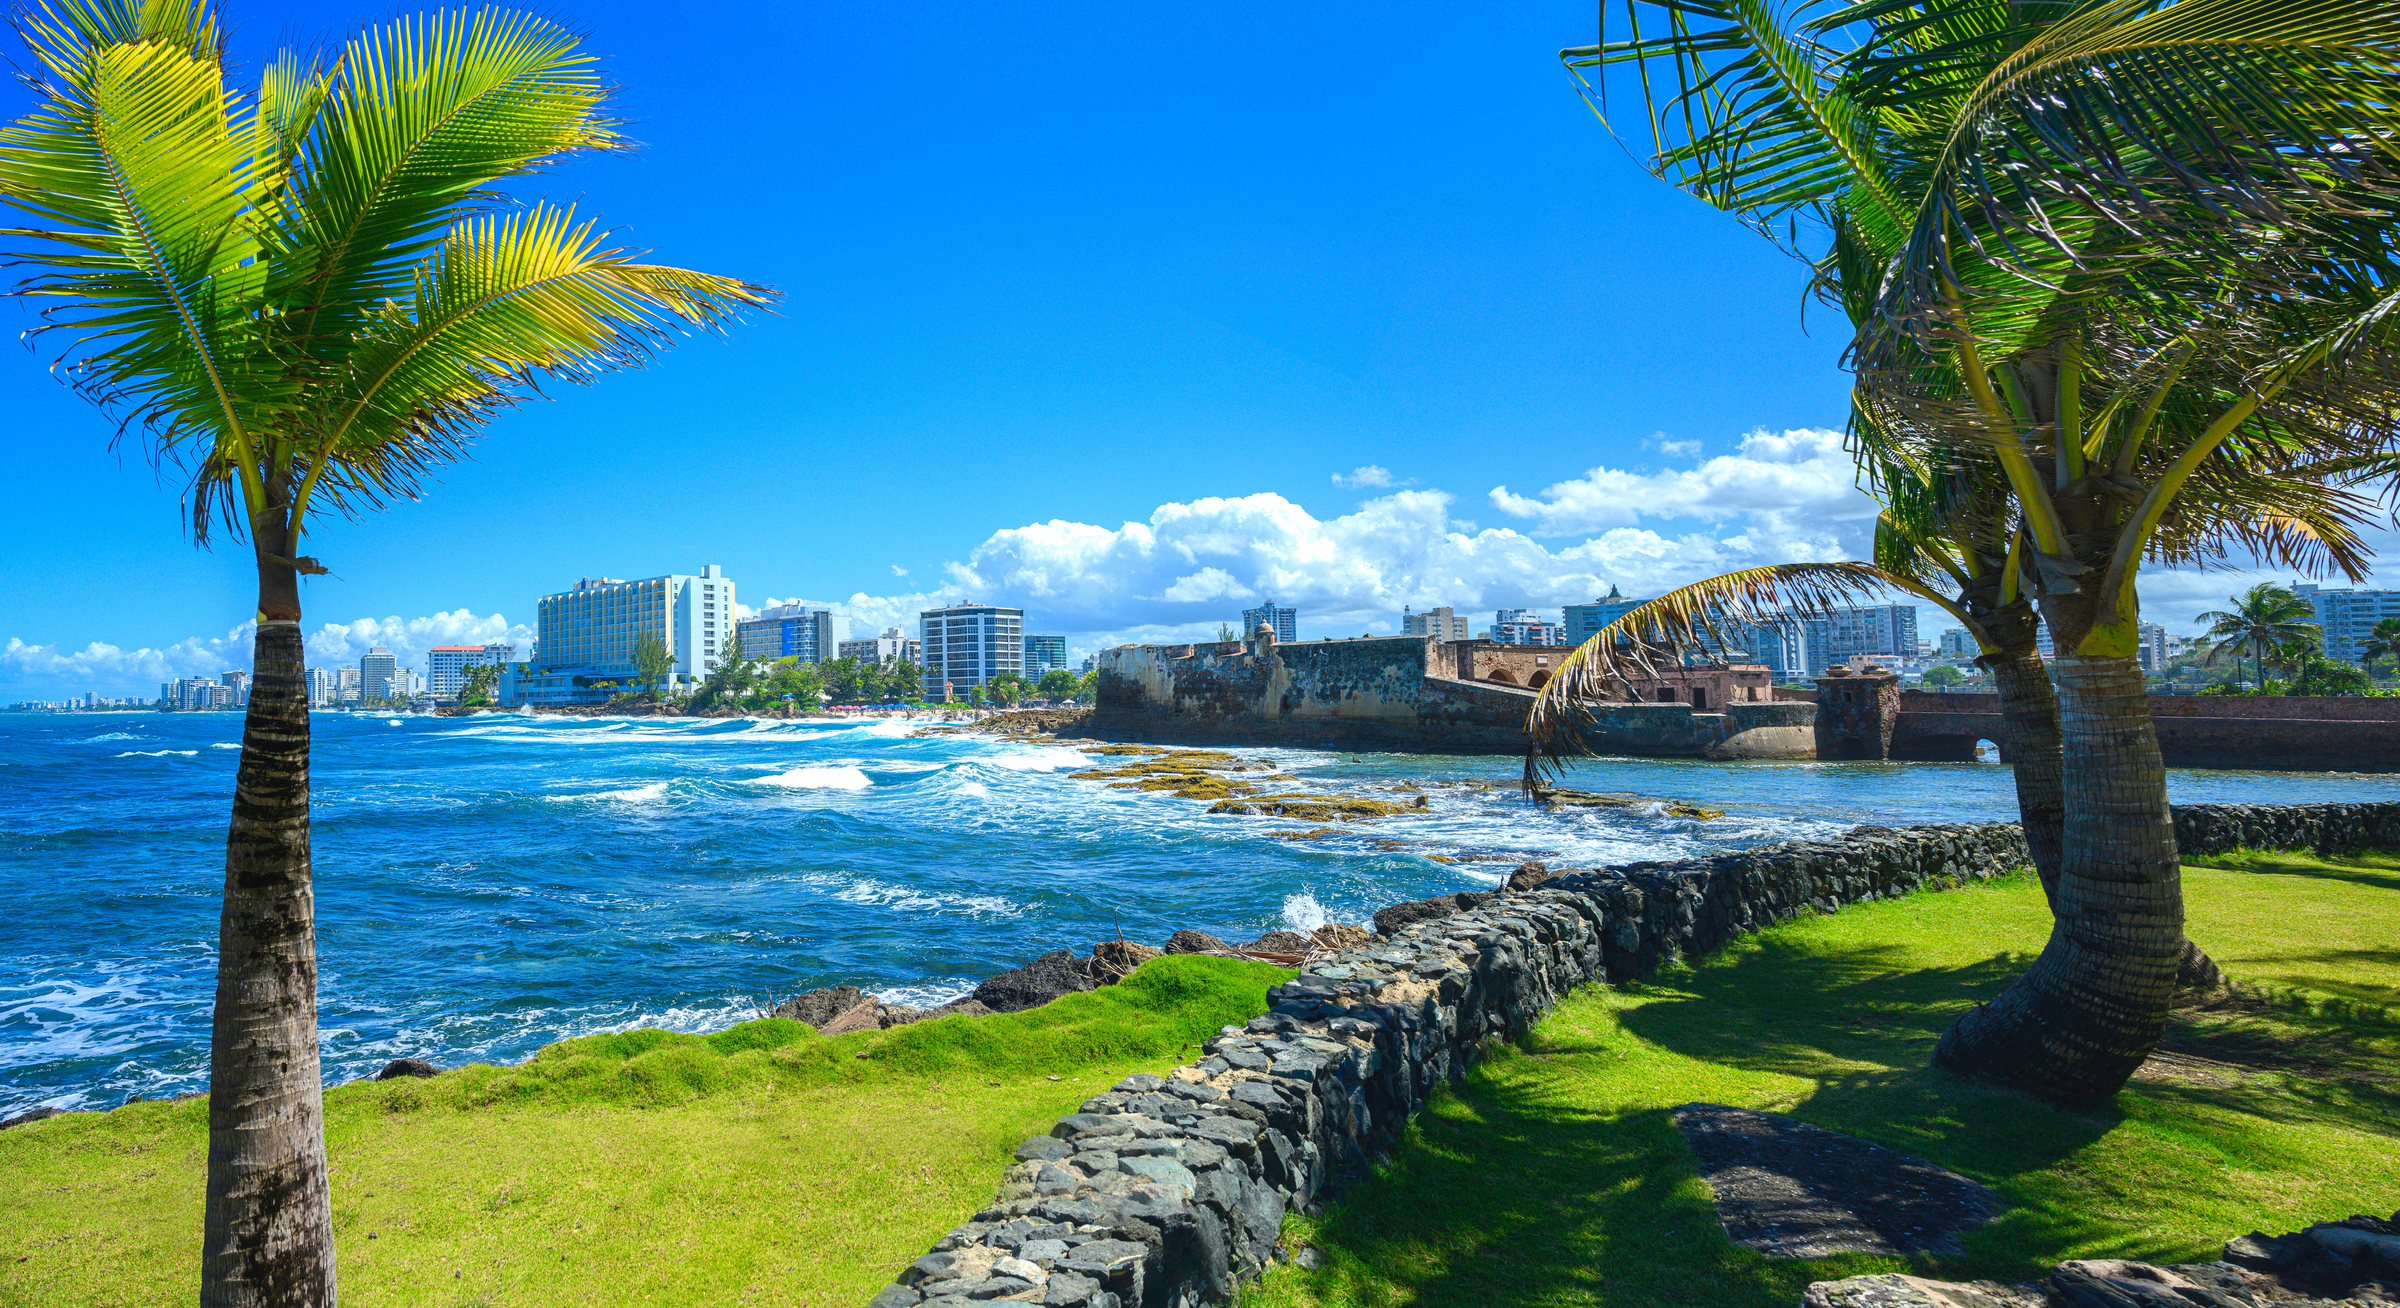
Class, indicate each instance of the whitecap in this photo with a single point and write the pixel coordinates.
(656, 790)
(156, 753)
(868, 891)
(227, 744)
(1302, 912)
(391, 722)
(1047, 759)
(975, 788)
(114, 735)
(817, 779)
(932, 993)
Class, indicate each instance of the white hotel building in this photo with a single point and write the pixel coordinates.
(966, 645)
(587, 635)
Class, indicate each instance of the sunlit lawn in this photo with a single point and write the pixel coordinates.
(1555, 1177)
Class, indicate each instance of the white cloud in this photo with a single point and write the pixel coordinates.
(1679, 449)
(1798, 492)
(46, 671)
(1370, 476)
(899, 571)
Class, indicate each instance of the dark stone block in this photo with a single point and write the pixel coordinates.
(1033, 985)
(1188, 941)
(400, 1067)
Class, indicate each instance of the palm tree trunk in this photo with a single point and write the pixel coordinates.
(2029, 708)
(268, 1239)
(2090, 1009)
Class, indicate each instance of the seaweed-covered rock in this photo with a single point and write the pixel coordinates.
(1033, 985)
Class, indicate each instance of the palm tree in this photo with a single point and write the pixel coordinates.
(2265, 620)
(2123, 248)
(2383, 642)
(308, 295)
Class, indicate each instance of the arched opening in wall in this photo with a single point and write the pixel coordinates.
(1503, 674)
(1987, 751)
(1539, 679)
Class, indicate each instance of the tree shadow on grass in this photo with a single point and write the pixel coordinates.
(1554, 1176)
(2380, 871)
(1516, 1189)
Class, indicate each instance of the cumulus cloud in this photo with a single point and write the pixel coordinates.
(1370, 476)
(45, 671)
(1679, 449)
(1796, 491)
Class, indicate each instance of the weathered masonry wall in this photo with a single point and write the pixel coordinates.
(2329, 733)
(1164, 1192)
(1383, 693)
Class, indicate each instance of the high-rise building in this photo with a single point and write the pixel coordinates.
(1441, 624)
(2348, 616)
(239, 684)
(324, 687)
(348, 689)
(446, 665)
(1959, 643)
(375, 673)
(1583, 621)
(590, 633)
(1526, 627)
(966, 645)
(1285, 622)
(2152, 647)
(788, 631)
(1042, 653)
(892, 644)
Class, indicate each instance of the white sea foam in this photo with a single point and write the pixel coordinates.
(975, 788)
(156, 753)
(1302, 912)
(931, 993)
(655, 791)
(1048, 759)
(874, 893)
(114, 735)
(391, 722)
(817, 779)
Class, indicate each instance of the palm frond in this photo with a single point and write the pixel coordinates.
(1701, 616)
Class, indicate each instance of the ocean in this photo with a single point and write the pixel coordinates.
(488, 884)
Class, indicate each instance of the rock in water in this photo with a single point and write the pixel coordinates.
(1188, 941)
(1033, 985)
(400, 1067)
(1390, 920)
(818, 1007)
(1114, 960)
(1279, 942)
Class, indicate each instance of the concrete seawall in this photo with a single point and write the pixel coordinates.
(1167, 1192)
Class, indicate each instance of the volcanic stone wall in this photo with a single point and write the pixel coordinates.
(1164, 1192)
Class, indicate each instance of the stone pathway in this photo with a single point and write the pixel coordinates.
(1790, 1190)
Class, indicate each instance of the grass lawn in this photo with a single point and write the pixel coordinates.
(1555, 1177)
(759, 1165)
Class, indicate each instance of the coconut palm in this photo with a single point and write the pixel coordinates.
(2265, 620)
(2382, 642)
(2128, 251)
(306, 295)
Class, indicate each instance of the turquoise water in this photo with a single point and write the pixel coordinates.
(489, 884)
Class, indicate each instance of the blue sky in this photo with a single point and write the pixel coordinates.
(1050, 271)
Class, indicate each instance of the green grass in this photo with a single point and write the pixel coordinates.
(1553, 1177)
(759, 1165)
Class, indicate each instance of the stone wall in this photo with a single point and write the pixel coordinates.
(2328, 733)
(1164, 1192)
(1856, 713)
